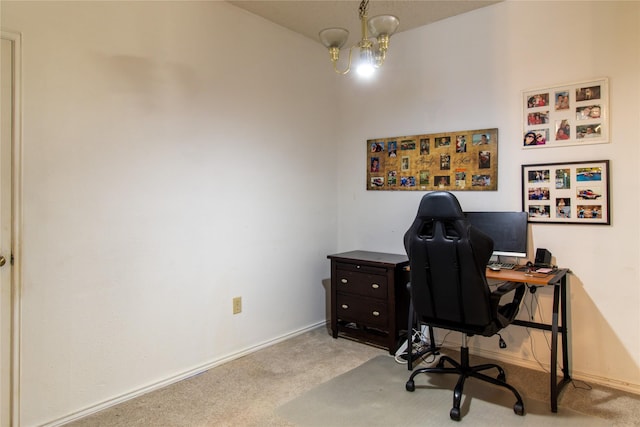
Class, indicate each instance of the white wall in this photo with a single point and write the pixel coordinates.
(467, 73)
(176, 155)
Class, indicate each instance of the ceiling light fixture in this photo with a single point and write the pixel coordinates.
(372, 53)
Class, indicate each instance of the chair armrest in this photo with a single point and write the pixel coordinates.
(507, 312)
(506, 288)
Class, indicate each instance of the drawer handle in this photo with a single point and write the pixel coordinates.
(345, 306)
(376, 313)
(345, 281)
(375, 285)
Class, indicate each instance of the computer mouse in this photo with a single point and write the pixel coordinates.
(494, 267)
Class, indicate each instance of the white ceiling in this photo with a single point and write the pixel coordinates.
(308, 17)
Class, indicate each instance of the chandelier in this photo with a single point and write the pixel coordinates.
(372, 51)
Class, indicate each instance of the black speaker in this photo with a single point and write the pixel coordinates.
(543, 257)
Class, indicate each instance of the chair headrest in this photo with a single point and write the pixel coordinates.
(440, 205)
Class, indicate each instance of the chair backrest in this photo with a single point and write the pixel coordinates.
(448, 257)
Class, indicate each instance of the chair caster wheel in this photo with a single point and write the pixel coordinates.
(502, 377)
(455, 414)
(410, 386)
(518, 408)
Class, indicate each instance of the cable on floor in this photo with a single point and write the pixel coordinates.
(420, 342)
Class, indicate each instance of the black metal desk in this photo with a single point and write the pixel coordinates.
(557, 279)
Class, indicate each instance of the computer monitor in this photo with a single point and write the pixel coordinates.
(507, 229)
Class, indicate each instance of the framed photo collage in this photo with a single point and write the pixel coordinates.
(574, 192)
(574, 114)
(453, 161)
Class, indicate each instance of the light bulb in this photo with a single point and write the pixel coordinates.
(365, 67)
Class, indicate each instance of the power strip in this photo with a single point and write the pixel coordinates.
(420, 348)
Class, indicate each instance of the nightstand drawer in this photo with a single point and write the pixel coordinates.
(366, 311)
(361, 283)
(361, 268)
(369, 298)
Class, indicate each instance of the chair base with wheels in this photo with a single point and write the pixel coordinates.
(465, 370)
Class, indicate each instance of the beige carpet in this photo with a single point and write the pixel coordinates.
(374, 394)
(257, 389)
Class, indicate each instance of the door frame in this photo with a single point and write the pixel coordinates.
(14, 357)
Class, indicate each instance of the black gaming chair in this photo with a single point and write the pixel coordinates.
(449, 290)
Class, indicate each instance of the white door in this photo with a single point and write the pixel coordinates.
(9, 134)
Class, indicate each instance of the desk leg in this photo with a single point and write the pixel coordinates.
(565, 332)
(559, 299)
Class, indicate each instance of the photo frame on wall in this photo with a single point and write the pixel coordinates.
(567, 193)
(454, 161)
(571, 114)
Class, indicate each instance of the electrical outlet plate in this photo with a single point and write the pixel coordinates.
(237, 305)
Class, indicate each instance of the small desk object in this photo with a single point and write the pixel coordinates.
(557, 279)
(369, 301)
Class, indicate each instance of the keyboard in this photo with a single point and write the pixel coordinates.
(502, 265)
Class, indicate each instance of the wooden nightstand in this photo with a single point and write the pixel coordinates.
(369, 299)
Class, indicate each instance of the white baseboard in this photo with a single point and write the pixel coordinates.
(176, 378)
